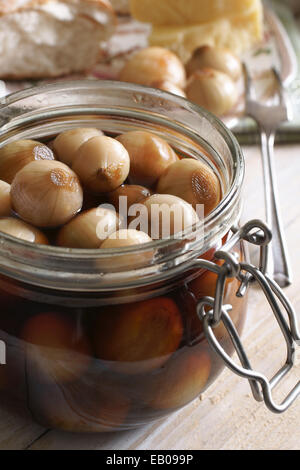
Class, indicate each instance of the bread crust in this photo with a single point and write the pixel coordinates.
(53, 60)
(12, 6)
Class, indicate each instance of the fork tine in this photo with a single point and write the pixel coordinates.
(283, 96)
(249, 89)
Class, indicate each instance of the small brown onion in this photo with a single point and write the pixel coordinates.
(46, 194)
(89, 228)
(19, 229)
(149, 156)
(218, 58)
(132, 192)
(192, 181)
(154, 64)
(5, 201)
(182, 381)
(56, 347)
(169, 87)
(213, 90)
(123, 238)
(67, 143)
(168, 214)
(16, 155)
(102, 164)
(138, 337)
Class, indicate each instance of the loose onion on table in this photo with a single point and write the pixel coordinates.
(213, 90)
(154, 64)
(217, 58)
(168, 86)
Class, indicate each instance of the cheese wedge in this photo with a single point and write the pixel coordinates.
(237, 33)
(184, 12)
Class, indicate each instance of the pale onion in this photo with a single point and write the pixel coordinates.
(168, 215)
(19, 229)
(133, 194)
(124, 238)
(169, 87)
(154, 64)
(5, 201)
(213, 90)
(46, 194)
(149, 156)
(67, 143)
(15, 155)
(192, 181)
(218, 58)
(89, 229)
(102, 164)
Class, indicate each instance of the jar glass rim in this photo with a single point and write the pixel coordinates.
(13, 115)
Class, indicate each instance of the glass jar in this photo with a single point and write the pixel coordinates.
(100, 340)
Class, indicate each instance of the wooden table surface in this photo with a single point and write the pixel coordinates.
(225, 416)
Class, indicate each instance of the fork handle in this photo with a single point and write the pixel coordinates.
(278, 262)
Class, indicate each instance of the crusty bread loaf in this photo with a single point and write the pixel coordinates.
(51, 38)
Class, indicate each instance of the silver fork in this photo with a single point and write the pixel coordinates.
(268, 119)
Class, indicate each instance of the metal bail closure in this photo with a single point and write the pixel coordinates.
(255, 232)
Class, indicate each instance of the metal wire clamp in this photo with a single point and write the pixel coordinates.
(254, 232)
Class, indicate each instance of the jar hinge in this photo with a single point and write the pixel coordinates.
(257, 233)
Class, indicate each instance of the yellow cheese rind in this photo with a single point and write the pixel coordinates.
(185, 12)
(238, 33)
